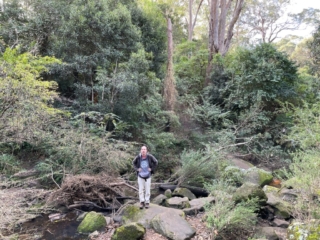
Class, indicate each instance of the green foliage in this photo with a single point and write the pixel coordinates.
(233, 176)
(8, 164)
(190, 67)
(261, 75)
(304, 178)
(305, 133)
(227, 219)
(315, 51)
(201, 164)
(82, 149)
(303, 174)
(256, 81)
(25, 100)
(209, 115)
(93, 34)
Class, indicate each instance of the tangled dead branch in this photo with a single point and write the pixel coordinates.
(83, 190)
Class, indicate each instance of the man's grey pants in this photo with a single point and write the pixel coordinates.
(144, 189)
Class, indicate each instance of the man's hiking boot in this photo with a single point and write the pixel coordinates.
(141, 205)
(147, 205)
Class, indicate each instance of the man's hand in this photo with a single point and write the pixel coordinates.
(139, 169)
(149, 169)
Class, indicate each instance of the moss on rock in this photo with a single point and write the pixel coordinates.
(130, 231)
(131, 213)
(93, 221)
(258, 176)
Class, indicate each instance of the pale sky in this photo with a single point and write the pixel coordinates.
(298, 5)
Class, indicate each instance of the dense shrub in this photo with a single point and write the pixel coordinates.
(227, 219)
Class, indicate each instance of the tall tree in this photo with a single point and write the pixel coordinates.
(169, 82)
(220, 29)
(268, 18)
(192, 19)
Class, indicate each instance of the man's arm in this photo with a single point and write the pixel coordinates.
(135, 164)
(155, 163)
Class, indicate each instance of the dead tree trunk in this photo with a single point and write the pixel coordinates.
(169, 83)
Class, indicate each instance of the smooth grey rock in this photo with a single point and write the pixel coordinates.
(166, 224)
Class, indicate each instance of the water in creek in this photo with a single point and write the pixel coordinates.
(63, 229)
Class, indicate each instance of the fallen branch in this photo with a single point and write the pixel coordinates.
(123, 183)
(88, 203)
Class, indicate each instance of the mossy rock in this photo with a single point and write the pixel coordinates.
(168, 193)
(270, 189)
(132, 231)
(248, 191)
(301, 231)
(258, 176)
(131, 213)
(92, 221)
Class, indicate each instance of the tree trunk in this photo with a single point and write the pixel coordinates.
(190, 30)
(169, 83)
(192, 22)
(220, 33)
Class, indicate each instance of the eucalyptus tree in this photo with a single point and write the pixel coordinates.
(221, 27)
(167, 9)
(192, 17)
(267, 19)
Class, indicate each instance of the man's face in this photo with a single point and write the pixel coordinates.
(143, 151)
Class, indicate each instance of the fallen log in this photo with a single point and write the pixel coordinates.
(78, 204)
(199, 192)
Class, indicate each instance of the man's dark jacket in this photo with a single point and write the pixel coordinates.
(153, 162)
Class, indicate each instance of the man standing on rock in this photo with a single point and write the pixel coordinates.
(145, 165)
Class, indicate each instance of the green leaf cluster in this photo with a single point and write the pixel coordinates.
(25, 99)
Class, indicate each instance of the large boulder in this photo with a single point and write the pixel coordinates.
(92, 221)
(302, 231)
(156, 217)
(165, 224)
(132, 231)
(258, 176)
(183, 192)
(249, 190)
